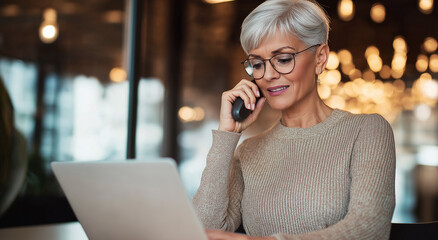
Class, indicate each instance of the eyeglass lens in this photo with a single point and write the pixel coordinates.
(282, 63)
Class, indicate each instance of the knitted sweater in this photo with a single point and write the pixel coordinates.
(334, 180)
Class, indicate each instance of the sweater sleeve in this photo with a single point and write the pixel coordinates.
(217, 200)
(372, 193)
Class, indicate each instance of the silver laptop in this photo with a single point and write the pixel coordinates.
(129, 200)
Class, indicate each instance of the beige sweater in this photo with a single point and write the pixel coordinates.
(334, 180)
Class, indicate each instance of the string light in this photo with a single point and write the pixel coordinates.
(397, 73)
(433, 63)
(371, 50)
(385, 72)
(345, 56)
(425, 6)
(422, 63)
(430, 44)
(333, 78)
(378, 13)
(354, 74)
(346, 10)
(399, 44)
(324, 91)
(347, 68)
(369, 75)
(333, 61)
(375, 63)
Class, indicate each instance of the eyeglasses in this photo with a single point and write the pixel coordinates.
(283, 63)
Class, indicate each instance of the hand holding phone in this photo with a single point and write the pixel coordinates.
(239, 112)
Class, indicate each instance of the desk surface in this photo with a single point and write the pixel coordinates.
(62, 231)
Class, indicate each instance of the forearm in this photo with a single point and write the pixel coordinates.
(212, 200)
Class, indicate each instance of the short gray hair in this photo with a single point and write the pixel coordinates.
(303, 19)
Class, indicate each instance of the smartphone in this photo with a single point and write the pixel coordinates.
(239, 111)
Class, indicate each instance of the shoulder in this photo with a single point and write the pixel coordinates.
(371, 129)
(375, 123)
(365, 122)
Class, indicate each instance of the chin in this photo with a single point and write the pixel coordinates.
(279, 105)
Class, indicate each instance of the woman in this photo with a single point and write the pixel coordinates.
(319, 173)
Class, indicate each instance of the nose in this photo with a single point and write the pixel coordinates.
(270, 72)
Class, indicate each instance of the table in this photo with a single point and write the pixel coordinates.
(61, 231)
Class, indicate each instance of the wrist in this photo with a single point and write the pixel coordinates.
(227, 129)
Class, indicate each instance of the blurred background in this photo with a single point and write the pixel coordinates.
(114, 79)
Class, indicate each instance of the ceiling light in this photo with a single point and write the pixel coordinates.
(49, 27)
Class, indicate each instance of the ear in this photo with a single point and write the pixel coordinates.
(321, 58)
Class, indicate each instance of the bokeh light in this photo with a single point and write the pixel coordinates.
(385, 72)
(117, 75)
(422, 63)
(430, 44)
(378, 13)
(346, 10)
(48, 30)
(189, 114)
(425, 6)
(345, 56)
(333, 61)
(433, 63)
(371, 50)
(375, 63)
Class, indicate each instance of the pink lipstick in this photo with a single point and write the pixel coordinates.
(277, 90)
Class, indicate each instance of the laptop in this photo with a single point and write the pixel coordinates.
(129, 199)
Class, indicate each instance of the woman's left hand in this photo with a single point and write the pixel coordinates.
(222, 235)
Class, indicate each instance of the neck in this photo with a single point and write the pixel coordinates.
(306, 113)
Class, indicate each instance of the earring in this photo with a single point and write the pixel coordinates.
(317, 78)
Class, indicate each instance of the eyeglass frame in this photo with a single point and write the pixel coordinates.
(269, 59)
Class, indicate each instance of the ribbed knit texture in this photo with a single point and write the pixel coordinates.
(334, 180)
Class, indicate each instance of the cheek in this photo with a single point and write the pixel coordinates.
(303, 73)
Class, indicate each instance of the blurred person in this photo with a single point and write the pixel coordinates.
(13, 155)
(318, 173)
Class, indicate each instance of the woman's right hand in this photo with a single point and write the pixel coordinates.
(248, 91)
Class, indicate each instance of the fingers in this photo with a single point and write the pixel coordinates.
(255, 114)
(248, 97)
(248, 91)
(252, 85)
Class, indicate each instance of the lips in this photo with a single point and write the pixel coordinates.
(277, 90)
